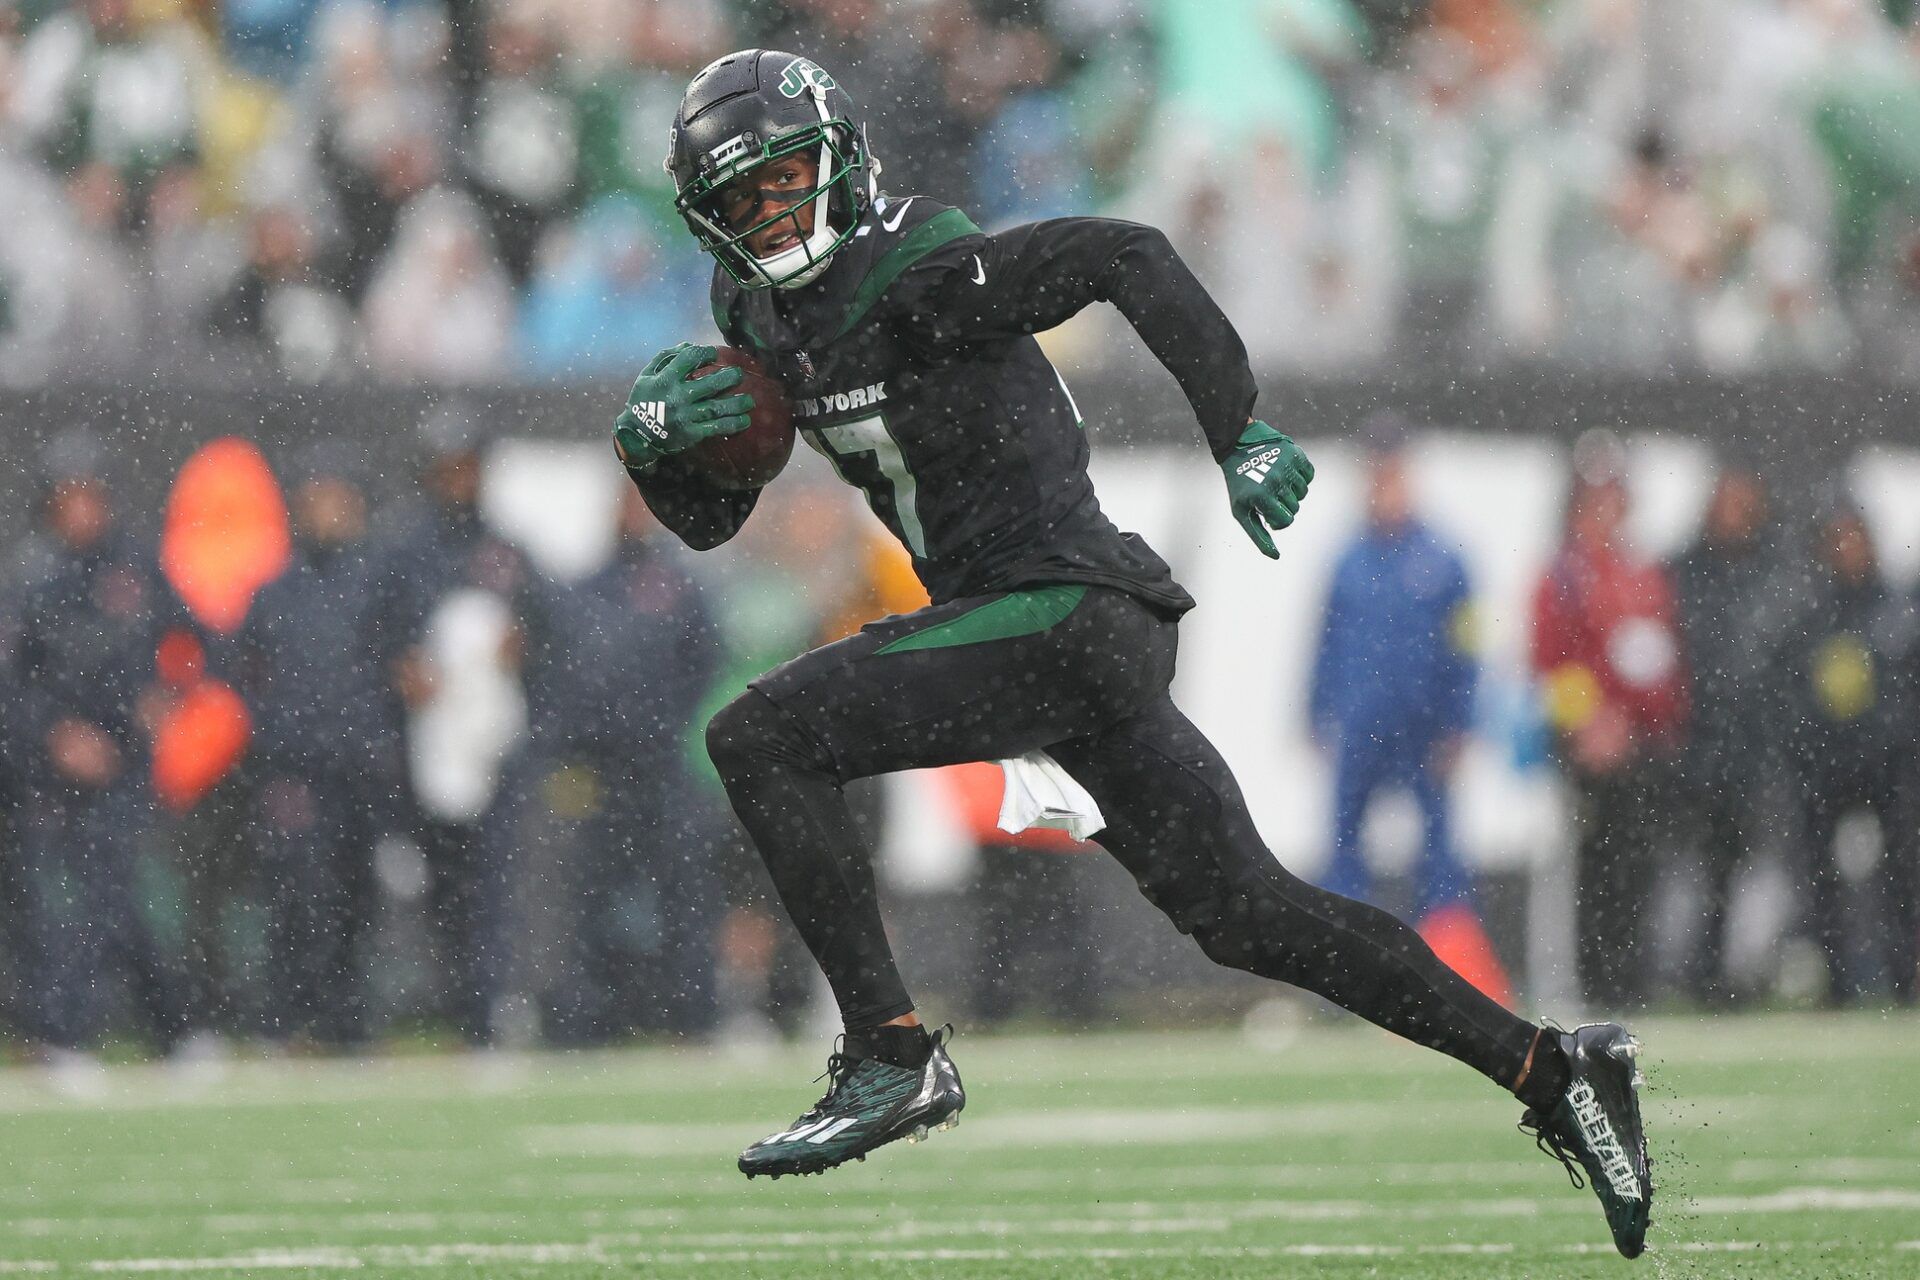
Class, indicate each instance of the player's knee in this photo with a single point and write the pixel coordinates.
(736, 731)
(1234, 942)
(752, 732)
(1258, 930)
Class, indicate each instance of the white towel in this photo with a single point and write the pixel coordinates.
(1040, 793)
(459, 740)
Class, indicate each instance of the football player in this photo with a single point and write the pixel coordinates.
(905, 336)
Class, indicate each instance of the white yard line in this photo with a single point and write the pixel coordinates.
(1080, 1126)
(1114, 1218)
(1148, 1057)
(1810, 1199)
(962, 1217)
(900, 1178)
(467, 1255)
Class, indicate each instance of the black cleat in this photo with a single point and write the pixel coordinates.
(1595, 1128)
(868, 1104)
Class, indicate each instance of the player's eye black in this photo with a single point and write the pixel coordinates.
(764, 201)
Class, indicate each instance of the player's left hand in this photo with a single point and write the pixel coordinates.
(1267, 477)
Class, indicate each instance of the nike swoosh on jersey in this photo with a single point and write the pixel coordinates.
(979, 270)
(893, 224)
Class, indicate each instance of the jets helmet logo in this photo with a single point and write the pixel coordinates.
(803, 74)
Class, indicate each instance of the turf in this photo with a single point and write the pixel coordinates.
(1785, 1146)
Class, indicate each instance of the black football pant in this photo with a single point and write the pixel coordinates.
(1830, 788)
(1724, 809)
(90, 907)
(1615, 865)
(1083, 673)
(315, 837)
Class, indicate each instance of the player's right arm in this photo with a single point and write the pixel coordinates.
(667, 413)
(986, 288)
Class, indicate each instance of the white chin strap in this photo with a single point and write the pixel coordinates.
(811, 250)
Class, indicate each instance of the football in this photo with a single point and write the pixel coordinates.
(751, 458)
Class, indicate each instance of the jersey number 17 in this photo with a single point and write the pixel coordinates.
(867, 456)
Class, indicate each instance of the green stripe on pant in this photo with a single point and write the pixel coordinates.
(1018, 613)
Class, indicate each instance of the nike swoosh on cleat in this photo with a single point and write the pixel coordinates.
(893, 224)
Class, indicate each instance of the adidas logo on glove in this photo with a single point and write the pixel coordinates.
(1256, 467)
(651, 415)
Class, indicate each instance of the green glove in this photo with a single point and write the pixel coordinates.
(1267, 476)
(667, 412)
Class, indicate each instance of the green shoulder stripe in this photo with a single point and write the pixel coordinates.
(1019, 613)
(948, 224)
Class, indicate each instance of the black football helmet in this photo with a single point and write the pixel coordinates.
(749, 109)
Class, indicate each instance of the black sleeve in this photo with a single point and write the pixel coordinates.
(986, 288)
(700, 514)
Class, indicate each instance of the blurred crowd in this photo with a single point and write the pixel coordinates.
(312, 771)
(287, 771)
(452, 191)
(1736, 705)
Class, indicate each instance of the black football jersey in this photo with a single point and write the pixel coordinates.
(913, 368)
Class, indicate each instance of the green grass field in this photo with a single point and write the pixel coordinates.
(1785, 1146)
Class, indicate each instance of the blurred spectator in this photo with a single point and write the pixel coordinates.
(1453, 129)
(631, 69)
(1849, 674)
(1231, 71)
(440, 308)
(629, 654)
(1624, 254)
(915, 80)
(28, 562)
(224, 532)
(1392, 698)
(324, 761)
(1356, 180)
(1686, 260)
(1241, 165)
(1862, 82)
(84, 665)
(68, 305)
(445, 624)
(607, 295)
(1733, 604)
(110, 106)
(1030, 165)
(268, 38)
(520, 149)
(1111, 89)
(278, 307)
(380, 135)
(1605, 648)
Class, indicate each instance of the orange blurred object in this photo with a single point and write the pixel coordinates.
(226, 537)
(202, 735)
(886, 585)
(1458, 938)
(226, 532)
